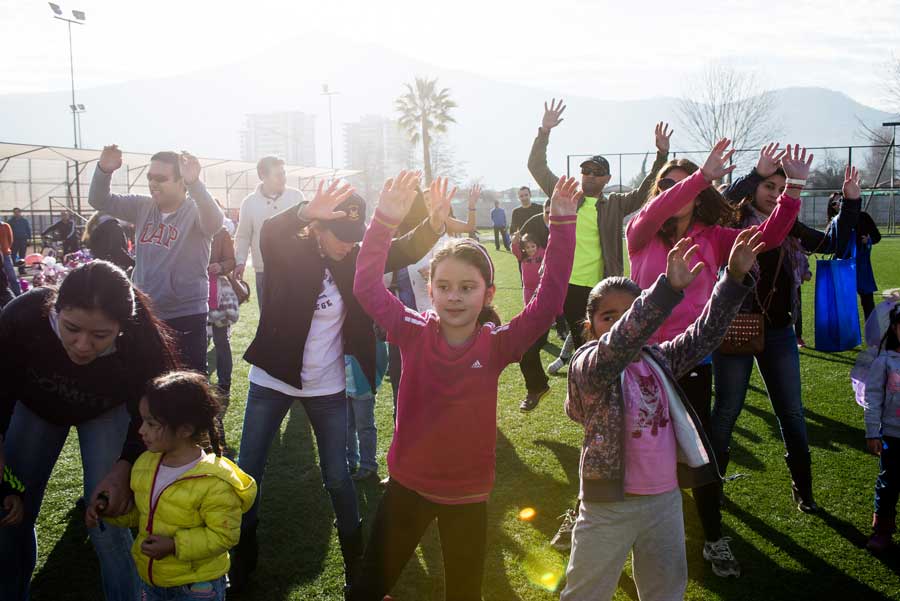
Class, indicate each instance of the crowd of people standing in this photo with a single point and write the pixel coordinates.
(119, 352)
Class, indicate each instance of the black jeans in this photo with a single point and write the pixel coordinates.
(532, 368)
(500, 232)
(887, 486)
(224, 362)
(574, 310)
(402, 518)
(697, 386)
(190, 340)
(868, 303)
(19, 249)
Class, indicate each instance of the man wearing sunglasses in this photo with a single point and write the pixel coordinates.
(174, 227)
(599, 228)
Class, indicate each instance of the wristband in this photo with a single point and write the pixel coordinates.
(795, 182)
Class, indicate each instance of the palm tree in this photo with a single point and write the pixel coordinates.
(424, 111)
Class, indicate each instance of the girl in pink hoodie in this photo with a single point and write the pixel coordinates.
(685, 205)
(441, 459)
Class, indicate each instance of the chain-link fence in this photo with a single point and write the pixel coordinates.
(628, 169)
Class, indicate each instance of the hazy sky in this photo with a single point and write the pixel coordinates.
(615, 50)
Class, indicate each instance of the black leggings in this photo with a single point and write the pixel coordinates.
(697, 386)
(868, 303)
(402, 518)
(535, 378)
(574, 310)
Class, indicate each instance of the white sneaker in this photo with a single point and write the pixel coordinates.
(554, 367)
(719, 554)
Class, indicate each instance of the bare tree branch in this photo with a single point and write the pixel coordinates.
(724, 103)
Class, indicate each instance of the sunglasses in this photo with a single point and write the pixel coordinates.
(666, 183)
(594, 172)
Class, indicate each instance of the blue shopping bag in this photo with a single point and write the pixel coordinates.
(837, 314)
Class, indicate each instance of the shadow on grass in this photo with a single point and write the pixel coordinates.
(823, 432)
(71, 570)
(295, 517)
(828, 357)
(818, 580)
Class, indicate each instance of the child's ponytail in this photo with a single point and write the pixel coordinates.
(185, 398)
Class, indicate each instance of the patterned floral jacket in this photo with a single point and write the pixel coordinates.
(595, 398)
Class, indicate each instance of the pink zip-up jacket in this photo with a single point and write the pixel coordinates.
(647, 251)
(531, 269)
(446, 430)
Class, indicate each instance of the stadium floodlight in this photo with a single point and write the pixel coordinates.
(78, 20)
(78, 14)
(55, 8)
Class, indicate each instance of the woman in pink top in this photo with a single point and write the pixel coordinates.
(530, 255)
(441, 459)
(686, 205)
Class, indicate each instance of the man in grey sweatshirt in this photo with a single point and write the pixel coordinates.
(174, 227)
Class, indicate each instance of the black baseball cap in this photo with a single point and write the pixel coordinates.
(597, 161)
(352, 227)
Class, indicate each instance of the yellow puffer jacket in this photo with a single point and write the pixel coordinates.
(201, 510)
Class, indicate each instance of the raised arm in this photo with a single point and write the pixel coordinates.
(121, 206)
(537, 160)
(368, 284)
(645, 225)
(632, 201)
(520, 333)
(706, 333)
(209, 215)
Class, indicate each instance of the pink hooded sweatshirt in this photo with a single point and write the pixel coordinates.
(647, 251)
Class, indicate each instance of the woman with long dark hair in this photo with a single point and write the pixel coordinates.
(79, 356)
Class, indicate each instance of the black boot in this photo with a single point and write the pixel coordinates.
(352, 550)
(801, 485)
(243, 558)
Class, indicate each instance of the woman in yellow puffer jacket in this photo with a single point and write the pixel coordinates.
(188, 503)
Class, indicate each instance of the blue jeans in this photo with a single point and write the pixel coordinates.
(362, 434)
(11, 275)
(213, 590)
(32, 447)
(265, 411)
(260, 277)
(779, 366)
(224, 362)
(190, 339)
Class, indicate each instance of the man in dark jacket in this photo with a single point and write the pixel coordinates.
(21, 229)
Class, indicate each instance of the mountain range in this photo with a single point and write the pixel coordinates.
(495, 124)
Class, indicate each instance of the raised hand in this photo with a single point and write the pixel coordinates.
(15, 511)
(716, 165)
(398, 194)
(552, 114)
(795, 162)
(566, 197)
(769, 158)
(679, 273)
(851, 187)
(321, 207)
(441, 198)
(474, 195)
(746, 246)
(110, 159)
(190, 167)
(663, 136)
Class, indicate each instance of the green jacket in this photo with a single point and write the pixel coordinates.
(611, 209)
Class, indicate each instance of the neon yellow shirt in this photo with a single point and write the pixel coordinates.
(587, 268)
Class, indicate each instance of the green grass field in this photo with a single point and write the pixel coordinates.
(784, 554)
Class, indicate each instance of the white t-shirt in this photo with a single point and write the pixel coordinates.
(167, 475)
(418, 281)
(323, 356)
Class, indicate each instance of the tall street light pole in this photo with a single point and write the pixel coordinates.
(78, 20)
(330, 93)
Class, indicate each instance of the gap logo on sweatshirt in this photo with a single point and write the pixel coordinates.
(159, 234)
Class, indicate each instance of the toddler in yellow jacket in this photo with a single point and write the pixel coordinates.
(188, 503)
